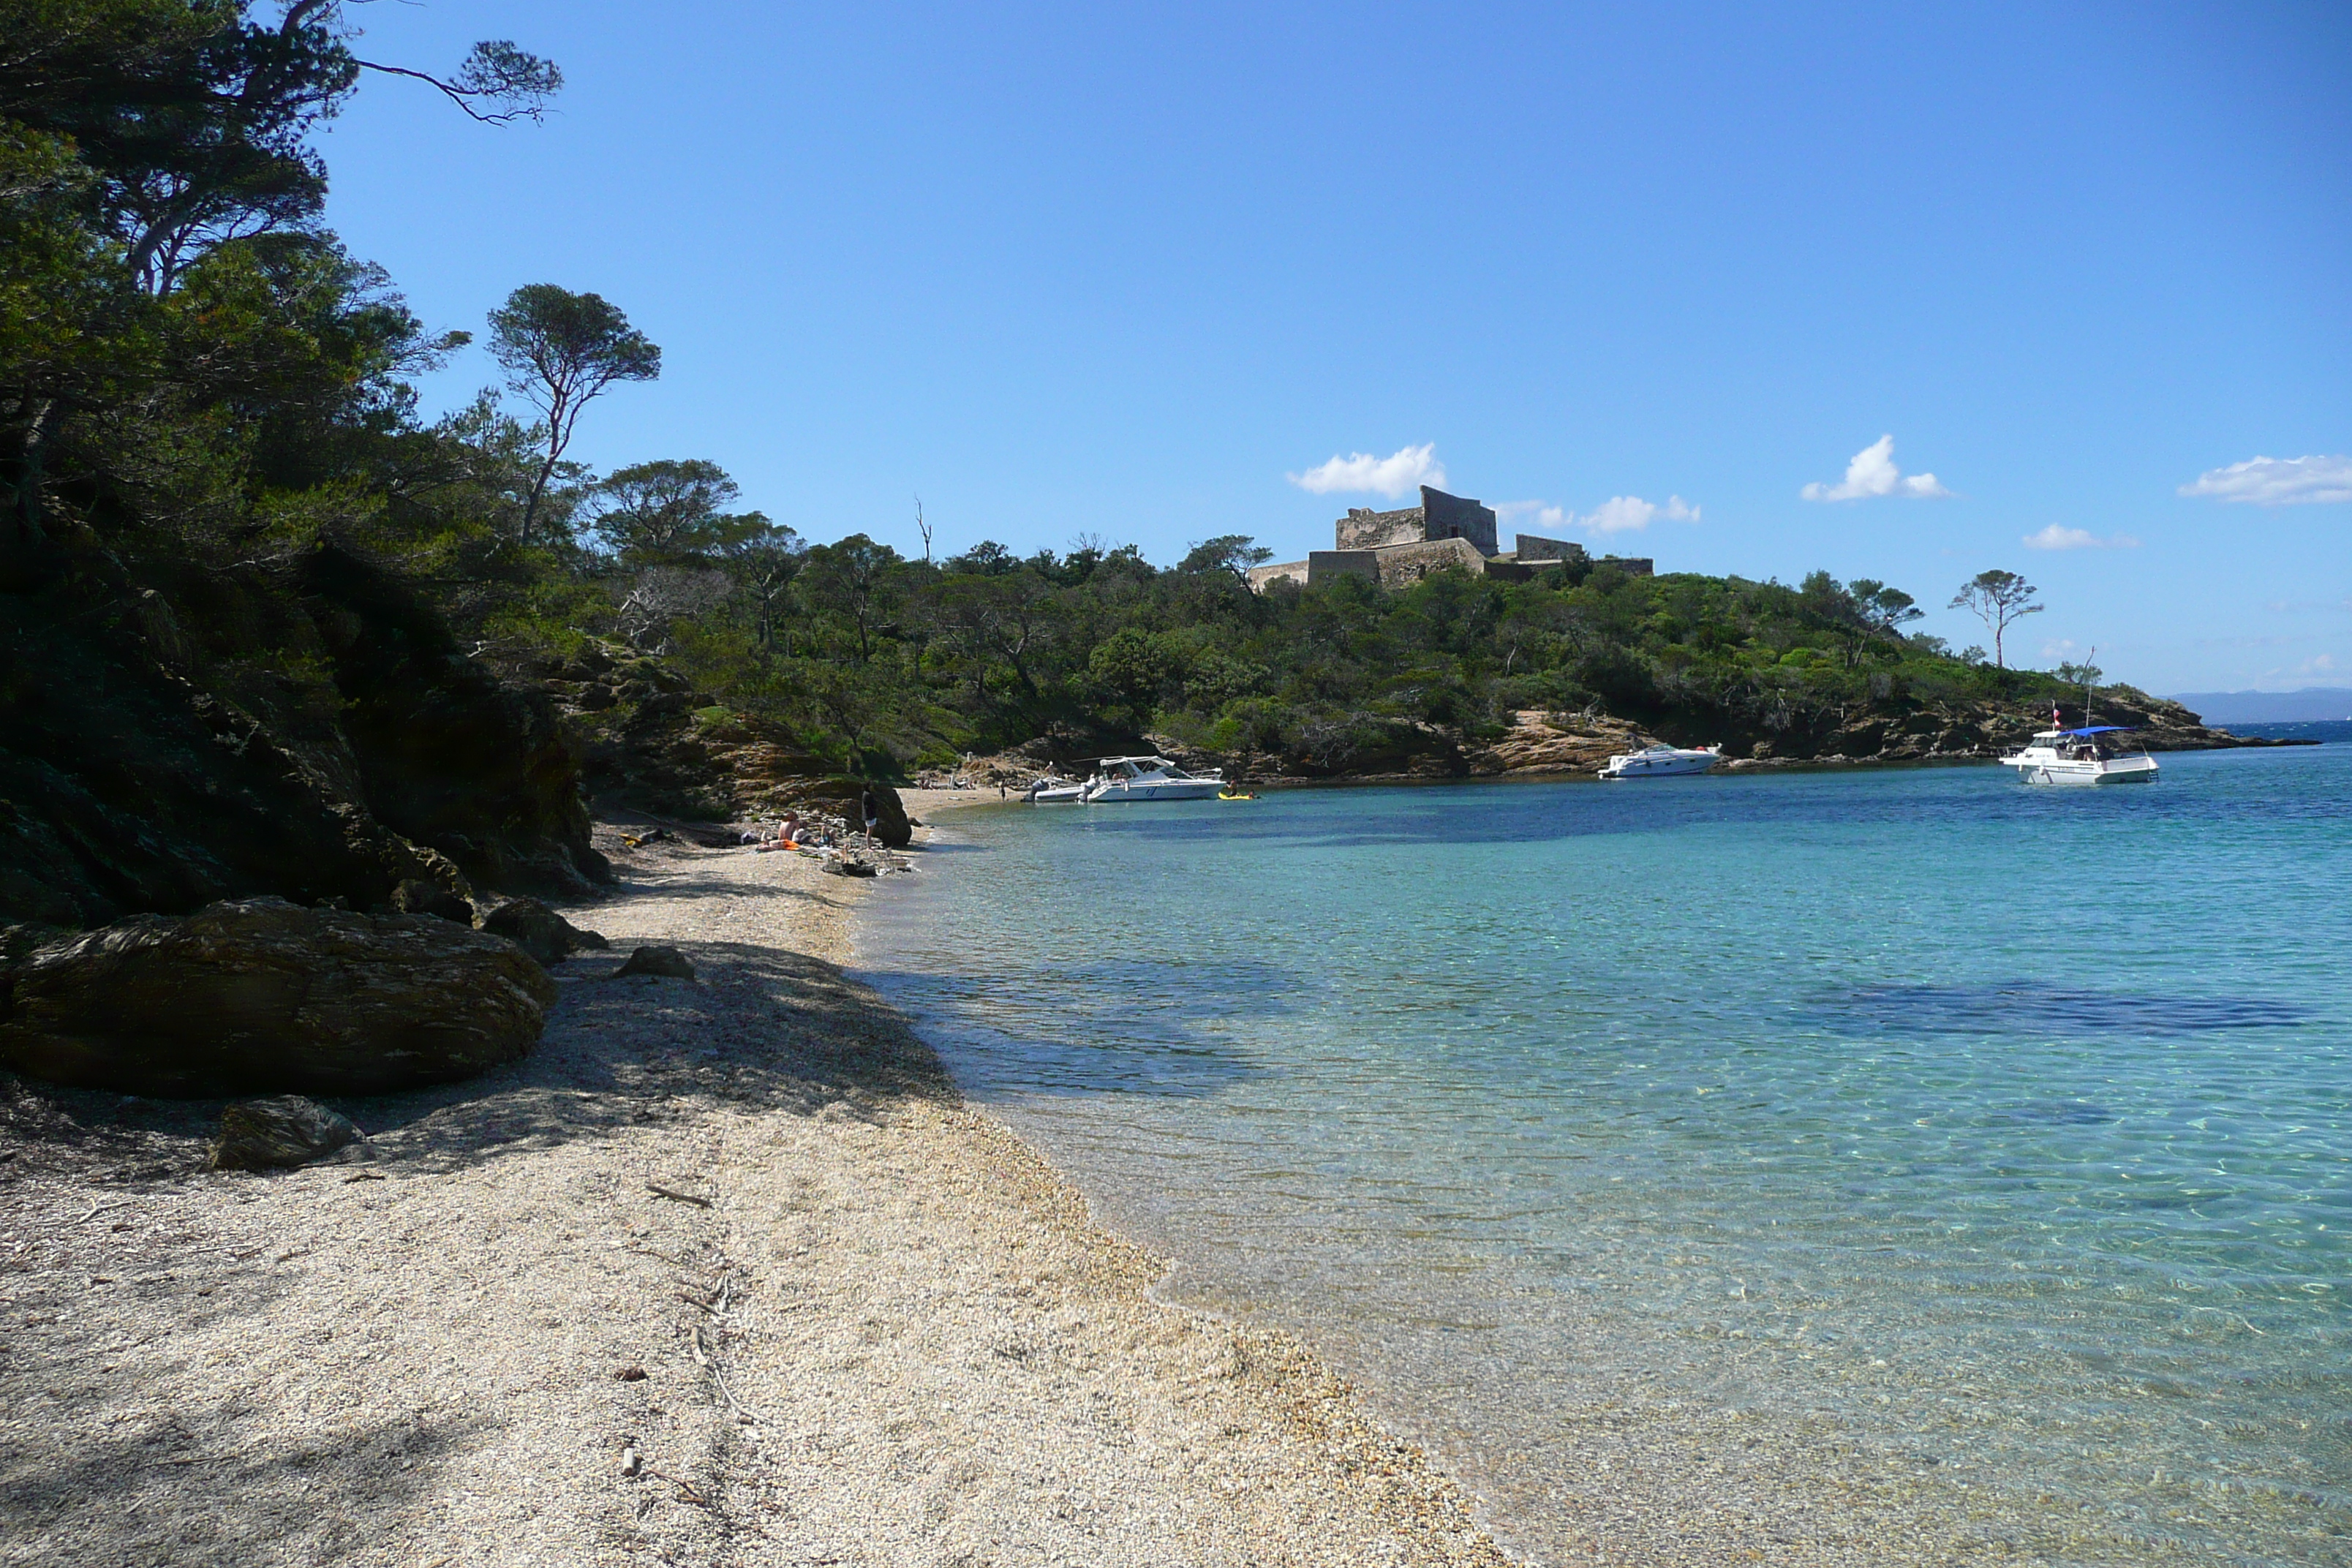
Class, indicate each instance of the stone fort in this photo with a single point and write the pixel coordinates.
(1398, 548)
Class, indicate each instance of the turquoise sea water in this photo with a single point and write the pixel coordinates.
(1877, 1165)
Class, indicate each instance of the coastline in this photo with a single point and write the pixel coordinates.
(1848, 1444)
(861, 1322)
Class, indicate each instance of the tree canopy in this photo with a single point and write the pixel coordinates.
(561, 351)
(197, 379)
(1998, 598)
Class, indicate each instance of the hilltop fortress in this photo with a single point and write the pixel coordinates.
(1398, 548)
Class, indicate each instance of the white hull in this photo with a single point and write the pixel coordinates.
(2085, 776)
(1660, 762)
(1125, 779)
(1183, 789)
(1060, 794)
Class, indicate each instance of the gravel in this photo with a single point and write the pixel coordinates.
(726, 1272)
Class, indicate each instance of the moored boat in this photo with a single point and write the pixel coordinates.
(1054, 790)
(1124, 779)
(2080, 757)
(1662, 760)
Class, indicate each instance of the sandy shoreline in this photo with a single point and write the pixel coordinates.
(886, 1333)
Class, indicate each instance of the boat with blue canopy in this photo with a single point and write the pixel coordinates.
(2085, 755)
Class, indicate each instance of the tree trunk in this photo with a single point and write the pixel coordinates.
(31, 464)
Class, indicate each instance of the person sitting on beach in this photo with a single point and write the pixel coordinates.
(791, 834)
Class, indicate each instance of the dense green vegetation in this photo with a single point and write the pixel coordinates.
(198, 380)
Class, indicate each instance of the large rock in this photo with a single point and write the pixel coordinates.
(537, 929)
(847, 798)
(1540, 742)
(265, 1135)
(665, 962)
(265, 996)
(416, 896)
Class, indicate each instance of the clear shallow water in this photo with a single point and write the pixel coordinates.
(1841, 1166)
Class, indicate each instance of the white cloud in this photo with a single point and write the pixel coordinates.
(2057, 538)
(1622, 514)
(1873, 473)
(2277, 482)
(1618, 514)
(1392, 476)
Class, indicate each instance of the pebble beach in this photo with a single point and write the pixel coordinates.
(726, 1272)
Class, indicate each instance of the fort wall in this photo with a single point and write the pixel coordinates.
(1323, 566)
(1403, 546)
(1364, 529)
(1532, 547)
(1459, 517)
(1401, 565)
(1261, 578)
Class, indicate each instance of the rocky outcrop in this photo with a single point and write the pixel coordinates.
(539, 931)
(1536, 742)
(265, 996)
(849, 799)
(300, 726)
(1540, 742)
(265, 1135)
(652, 743)
(1901, 731)
(2157, 723)
(449, 755)
(417, 896)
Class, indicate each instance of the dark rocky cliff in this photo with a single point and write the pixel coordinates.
(302, 726)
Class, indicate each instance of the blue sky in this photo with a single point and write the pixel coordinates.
(1127, 270)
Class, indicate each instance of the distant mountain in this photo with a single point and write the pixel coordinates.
(2311, 703)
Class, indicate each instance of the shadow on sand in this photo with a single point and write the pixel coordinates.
(758, 1029)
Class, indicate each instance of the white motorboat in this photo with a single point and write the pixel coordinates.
(2080, 757)
(1148, 778)
(1054, 790)
(1662, 761)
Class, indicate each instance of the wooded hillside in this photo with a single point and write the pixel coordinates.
(265, 627)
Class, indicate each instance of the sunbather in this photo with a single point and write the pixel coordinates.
(791, 833)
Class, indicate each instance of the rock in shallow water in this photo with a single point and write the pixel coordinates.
(262, 995)
(285, 1131)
